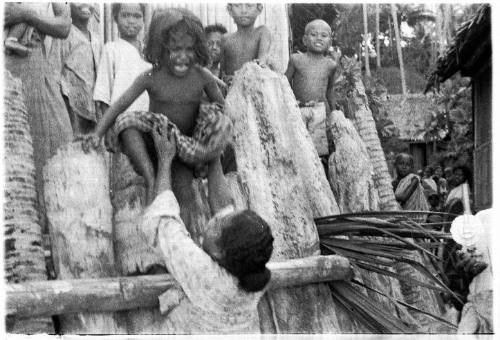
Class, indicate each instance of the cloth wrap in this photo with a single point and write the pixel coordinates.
(212, 132)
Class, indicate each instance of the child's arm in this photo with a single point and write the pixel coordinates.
(330, 91)
(109, 117)
(211, 88)
(290, 70)
(264, 44)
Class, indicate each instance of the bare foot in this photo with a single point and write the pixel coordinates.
(16, 47)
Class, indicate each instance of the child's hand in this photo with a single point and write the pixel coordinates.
(90, 141)
(165, 143)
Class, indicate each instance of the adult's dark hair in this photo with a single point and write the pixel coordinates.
(466, 171)
(247, 244)
(215, 28)
(169, 20)
(115, 9)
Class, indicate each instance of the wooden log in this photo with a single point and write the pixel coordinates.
(24, 253)
(79, 214)
(284, 182)
(122, 293)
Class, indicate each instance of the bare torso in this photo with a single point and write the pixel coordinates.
(177, 98)
(239, 48)
(311, 76)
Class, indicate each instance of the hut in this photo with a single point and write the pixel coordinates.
(413, 116)
(471, 55)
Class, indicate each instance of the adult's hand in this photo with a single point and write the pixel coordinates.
(165, 143)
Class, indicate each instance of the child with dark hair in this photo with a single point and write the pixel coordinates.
(214, 34)
(121, 60)
(248, 43)
(176, 48)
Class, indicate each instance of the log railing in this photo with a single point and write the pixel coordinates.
(39, 298)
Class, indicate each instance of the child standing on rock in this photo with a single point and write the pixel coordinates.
(311, 76)
(175, 85)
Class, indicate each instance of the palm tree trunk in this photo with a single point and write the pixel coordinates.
(398, 47)
(24, 253)
(377, 33)
(366, 39)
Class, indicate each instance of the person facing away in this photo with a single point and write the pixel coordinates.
(312, 74)
(80, 55)
(407, 187)
(121, 61)
(248, 43)
(176, 83)
(222, 281)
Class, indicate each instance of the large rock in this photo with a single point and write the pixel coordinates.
(283, 181)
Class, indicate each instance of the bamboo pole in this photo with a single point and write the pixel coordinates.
(124, 293)
(398, 48)
(377, 33)
(365, 38)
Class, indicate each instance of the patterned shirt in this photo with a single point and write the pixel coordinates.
(212, 301)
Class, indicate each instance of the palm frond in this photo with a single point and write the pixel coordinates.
(366, 310)
(397, 301)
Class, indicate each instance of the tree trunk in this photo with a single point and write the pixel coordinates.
(284, 182)
(377, 33)
(398, 47)
(79, 213)
(24, 253)
(421, 297)
(351, 178)
(367, 41)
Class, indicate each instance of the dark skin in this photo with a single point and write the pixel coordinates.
(312, 74)
(175, 90)
(403, 169)
(247, 43)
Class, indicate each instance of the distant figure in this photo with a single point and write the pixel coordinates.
(441, 183)
(448, 175)
(80, 53)
(428, 183)
(176, 48)
(121, 60)
(454, 201)
(407, 188)
(248, 43)
(214, 34)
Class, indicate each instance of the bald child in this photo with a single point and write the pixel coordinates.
(248, 43)
(312, 74)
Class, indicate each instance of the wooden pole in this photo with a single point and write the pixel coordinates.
(377, 33)
(398, 48)
(365, 38)
(124, 293)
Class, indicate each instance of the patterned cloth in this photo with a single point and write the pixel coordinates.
(212, 301)
(416, 201)
(211, 134)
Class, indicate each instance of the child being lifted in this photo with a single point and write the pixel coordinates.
(311, 76)
(176, 48)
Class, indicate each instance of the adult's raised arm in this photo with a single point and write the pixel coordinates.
(219, 195)
(57, 26)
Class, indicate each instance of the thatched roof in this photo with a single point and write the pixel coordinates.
(410, 116)
(470, 49)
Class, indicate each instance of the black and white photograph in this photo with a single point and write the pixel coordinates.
(189, 168)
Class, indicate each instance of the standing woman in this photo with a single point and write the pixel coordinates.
(40, 73)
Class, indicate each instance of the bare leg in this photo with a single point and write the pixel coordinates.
(182, 186)
(135, 148)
